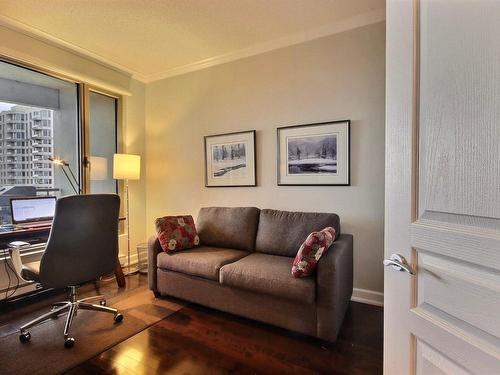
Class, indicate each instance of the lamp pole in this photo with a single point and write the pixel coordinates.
(129, 271)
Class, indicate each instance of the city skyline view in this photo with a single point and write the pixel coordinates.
(26, 142)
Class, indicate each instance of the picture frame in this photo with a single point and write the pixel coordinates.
(230, 159)
(315, 154)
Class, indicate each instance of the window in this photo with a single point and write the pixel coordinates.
(40, 119)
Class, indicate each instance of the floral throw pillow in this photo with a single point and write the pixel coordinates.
(316, 244)
(176, 233)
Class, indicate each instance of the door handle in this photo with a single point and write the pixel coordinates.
(399, 263)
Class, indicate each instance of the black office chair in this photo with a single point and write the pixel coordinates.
(82, 246)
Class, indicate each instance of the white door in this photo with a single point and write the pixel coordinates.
(443, 187)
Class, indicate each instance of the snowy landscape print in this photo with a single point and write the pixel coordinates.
(229, 160)
(316, 154)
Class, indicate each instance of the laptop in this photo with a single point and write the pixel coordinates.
(32, 212)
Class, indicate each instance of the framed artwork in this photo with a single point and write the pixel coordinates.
(314, 154)
(230, 159)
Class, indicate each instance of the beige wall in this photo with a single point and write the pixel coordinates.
(333, 78)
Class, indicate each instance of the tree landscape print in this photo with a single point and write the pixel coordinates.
(314, 154)
(229, 160)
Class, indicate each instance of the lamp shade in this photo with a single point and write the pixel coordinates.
(126, 167)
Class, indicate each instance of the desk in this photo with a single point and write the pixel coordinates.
(41, 234)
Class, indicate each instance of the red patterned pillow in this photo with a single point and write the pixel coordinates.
(316, 244)
(176, 233)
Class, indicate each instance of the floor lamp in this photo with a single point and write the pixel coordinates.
(127, 167)
(63, 163)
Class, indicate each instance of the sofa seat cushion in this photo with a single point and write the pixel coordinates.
(202, 261)
(269, 274)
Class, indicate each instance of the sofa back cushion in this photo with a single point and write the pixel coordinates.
(229, 227)
(283, 232)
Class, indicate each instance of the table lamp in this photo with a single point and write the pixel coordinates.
(127, 167)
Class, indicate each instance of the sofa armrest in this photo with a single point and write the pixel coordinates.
(334, 284)
(154, 249)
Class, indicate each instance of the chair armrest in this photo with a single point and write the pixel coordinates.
(334, 282)
(154, 249)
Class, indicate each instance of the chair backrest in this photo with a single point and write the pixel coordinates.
(83, 241)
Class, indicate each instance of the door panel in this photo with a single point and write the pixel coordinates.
(459, 107)
(433, 362)
(443, 213)
(460, 290)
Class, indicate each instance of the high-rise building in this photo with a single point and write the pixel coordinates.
(26, 142)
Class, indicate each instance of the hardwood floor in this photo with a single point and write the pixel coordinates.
(199, 340)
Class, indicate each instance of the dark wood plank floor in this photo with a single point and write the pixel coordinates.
(198, 340)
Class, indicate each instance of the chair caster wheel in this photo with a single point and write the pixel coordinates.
(118, 318)
(102, 303)
(69, 342)
(25, 337)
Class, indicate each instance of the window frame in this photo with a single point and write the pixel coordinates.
(83, 119)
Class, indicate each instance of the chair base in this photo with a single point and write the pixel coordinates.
(70, 307)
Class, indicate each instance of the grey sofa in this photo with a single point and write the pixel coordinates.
(243, 266)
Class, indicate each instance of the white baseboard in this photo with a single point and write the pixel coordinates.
(370, 297)
(133, 259)
(122, 256)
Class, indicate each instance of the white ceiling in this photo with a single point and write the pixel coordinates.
(153, 39)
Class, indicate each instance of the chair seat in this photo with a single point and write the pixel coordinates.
(31, 271)
(269, 274)
(201, 261)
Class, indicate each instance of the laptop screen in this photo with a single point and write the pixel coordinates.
(28, 210)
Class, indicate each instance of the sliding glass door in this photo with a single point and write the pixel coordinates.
(102, 142)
